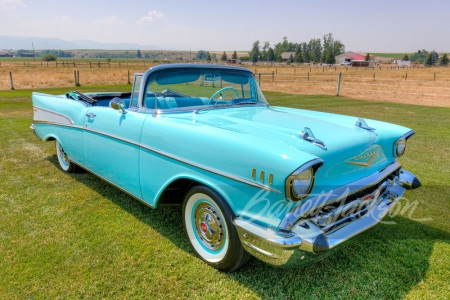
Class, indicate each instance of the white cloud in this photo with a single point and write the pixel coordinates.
(106, 21)
(150, 17)
(11, 4)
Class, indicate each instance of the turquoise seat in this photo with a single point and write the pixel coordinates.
(174, 102)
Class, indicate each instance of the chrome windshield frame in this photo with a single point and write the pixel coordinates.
(152, 70)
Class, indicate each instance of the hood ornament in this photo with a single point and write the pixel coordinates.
(361, 123)
(307, 135)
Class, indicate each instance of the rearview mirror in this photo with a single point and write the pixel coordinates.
(117, 103)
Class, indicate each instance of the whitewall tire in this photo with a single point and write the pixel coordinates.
(64, 161)
(208, 223)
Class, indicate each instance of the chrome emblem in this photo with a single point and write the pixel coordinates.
(371, 156)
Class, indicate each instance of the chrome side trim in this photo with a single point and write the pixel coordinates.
(101, 177)
(42, 114)
(323, 199)
(182, 160)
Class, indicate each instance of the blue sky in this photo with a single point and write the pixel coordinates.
(373, 26)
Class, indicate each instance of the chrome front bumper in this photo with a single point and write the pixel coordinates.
(311, 238)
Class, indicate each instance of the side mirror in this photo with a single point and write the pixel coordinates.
(117, 103)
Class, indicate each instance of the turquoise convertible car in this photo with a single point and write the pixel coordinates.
(288, 186)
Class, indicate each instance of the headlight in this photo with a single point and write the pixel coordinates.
(400, 147)
(400, 144)
(300, 183)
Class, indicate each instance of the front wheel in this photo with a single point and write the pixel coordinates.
(207, 221)
(64, 162)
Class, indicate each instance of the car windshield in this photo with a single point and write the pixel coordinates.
(198, 88)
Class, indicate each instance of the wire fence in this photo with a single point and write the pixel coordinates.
(364, 83)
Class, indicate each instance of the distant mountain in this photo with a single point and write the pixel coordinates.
(16, 43)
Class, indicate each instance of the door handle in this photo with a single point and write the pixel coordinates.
(90, 115)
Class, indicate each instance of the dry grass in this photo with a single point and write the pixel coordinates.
(424, 86)
(419, 86)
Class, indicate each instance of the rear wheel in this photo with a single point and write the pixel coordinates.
(207, 221)
(64, 162)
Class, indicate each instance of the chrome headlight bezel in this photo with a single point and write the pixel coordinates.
(400, 147)
(401, 142)
(312, 166)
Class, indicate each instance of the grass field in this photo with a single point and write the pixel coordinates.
(390, 55)
(75, 236)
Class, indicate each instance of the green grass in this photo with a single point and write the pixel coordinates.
(75, 236)
(393, 55)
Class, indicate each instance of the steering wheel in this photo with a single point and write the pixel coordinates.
(221, 90)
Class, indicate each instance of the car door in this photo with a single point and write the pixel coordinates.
(110, 144)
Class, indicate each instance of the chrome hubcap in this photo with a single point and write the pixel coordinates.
(63, 156)
(209, 226)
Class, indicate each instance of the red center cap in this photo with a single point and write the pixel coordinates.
(204, 228)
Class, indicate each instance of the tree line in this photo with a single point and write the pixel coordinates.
(316, 50)
(428, 58)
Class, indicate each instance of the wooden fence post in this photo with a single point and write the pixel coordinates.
(406, 76)
(273, 76)
(129, 77)
(434, 76)
(308, 76)
(11, 81)
(75, 75)
(259, 79)
(78, 78)
(373, 76)
(338, 85)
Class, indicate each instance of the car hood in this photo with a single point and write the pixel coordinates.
(345, 142)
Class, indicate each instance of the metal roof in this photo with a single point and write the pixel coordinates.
(356, 57)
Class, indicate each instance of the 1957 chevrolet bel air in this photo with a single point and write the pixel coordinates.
(288, 186)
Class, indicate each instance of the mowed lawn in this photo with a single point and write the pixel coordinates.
(75, 236)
